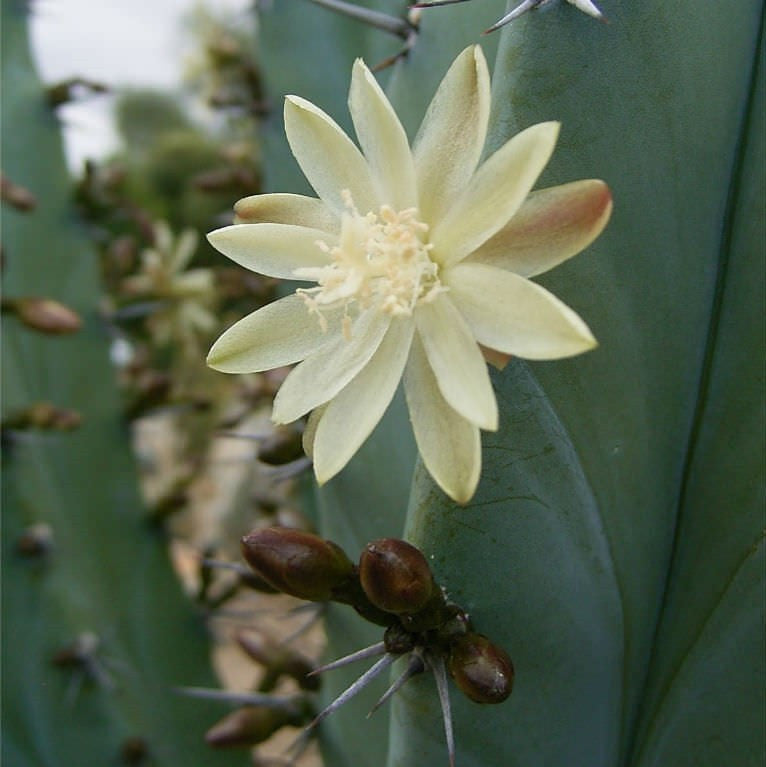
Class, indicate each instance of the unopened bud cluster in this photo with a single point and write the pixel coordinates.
(392, 586)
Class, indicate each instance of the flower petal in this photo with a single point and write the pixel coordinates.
(494, 194)
(328, 158)
(310, 430)
(510, 314)
(458, 365)
(354, 412)
(193, 283)
(294, 209)
(382, 139)
(184, 250)
(322, 375)
(279, 334)
(451, 138)
(449, 444)
(197, 316)
(551, 226)
(274, 250)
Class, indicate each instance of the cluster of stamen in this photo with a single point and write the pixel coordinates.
(381, 261)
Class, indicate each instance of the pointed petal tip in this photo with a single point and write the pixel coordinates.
(276, 418)
(490, 421)
(220, 366)
(216, 359)
(216, 235)
(480, 63)
(586, 342)
(551, 128)
(607, 201)
(212, 361)
(322, 478)
(361, 66)
(298, 102)
(475, 53)
(462, 498)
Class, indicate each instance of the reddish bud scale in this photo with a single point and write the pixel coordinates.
(297, 563)
(482, 671)
(395, 576)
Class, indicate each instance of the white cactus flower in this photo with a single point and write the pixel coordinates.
(422, 263)
(186, 295)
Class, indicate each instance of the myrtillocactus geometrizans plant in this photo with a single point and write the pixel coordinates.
(392, 586)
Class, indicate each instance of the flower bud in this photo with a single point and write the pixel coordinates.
(481, 670)
(395, 576)
(79, 652)
(278, 661)
(297, 563)
(134, 750)
(252, 581)
(36, 540)
(17, 196)
(248, 725)
(44, 315)
(45, 416)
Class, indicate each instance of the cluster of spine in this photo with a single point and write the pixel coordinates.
(391, 586)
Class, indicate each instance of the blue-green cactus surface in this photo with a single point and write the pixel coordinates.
(615, 544)
(108, 574)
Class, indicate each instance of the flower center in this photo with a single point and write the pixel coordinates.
(381, 260)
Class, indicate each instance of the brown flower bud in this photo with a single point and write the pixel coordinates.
(36, 540)
(297, 563)
(395, 576)
(248, 725)
(44, 315)
(44, 415)
(278, 661)
(17, 196)
(483, 671)
(134, 750)
(66, 420)
(256, 583)
(80, 652)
